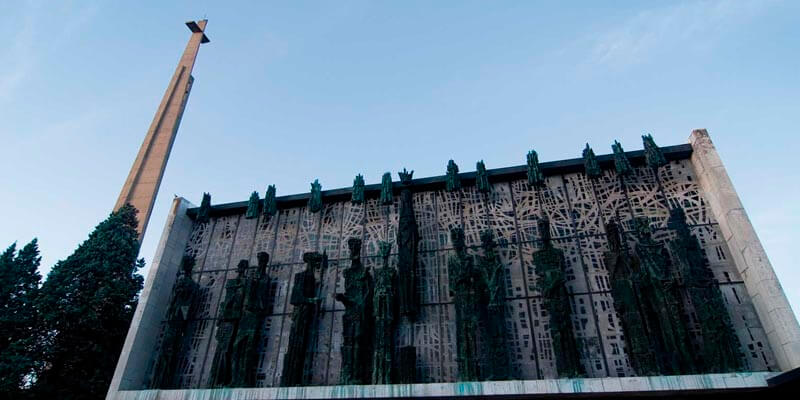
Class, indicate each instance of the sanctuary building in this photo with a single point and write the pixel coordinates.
(628, 274)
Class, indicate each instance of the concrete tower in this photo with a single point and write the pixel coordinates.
(141, 187)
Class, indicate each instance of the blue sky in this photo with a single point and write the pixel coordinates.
(287, 92)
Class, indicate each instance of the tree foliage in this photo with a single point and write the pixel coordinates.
(85, 306)
(19, 285)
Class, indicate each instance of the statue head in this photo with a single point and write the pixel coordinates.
(241, 268)
(354, 244)
(187, 264)
(263, 261)
(457, 237)
(312, 259)
(613, 236)
(405, 176)
(385, 249)
(487, 239)
(641, 225)
(544, 230)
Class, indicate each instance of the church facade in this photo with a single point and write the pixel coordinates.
(622, 273)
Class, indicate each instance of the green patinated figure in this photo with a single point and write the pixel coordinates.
(358, 190)
(178, 314)
(357, 323)
(452, 182)
(304, 302)
(621, 163)
(590, 165)
(496, 343)
(652, 153)
(203, 214)
(661, 304)
(721, 347)
(482, 178)
(315, 201)
(407, 244)
(384, 311)
(550, 268)
(468, 288)
(244, 359)
(270, 202)
(407, 364)
(386, 189)
(230, 313)
(535, 175)
(625, 275)
(252, 206)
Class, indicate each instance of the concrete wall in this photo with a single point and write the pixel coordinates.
(153, 301)
(751, 260)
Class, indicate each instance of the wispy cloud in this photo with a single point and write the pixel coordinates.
(691, 24)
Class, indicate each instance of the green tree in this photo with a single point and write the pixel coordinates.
(86, 305)
(19, 286)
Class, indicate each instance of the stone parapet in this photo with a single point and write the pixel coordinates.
(751, 260)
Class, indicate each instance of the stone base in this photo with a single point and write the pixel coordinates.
(668, 386)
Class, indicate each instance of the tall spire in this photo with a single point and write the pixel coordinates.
(141, 187)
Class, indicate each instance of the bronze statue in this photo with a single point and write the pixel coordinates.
(590, 165)
(304, 299)
(535, 175)
(469, 292)
(203, 213)
(661, 303)
(621, 163)
(315, 201)
(270, 203)
(407, 364)
(386, 189)
(384, 311)
(252, 206)
(178, 314)
(721, 347)
(244, 359)
(625, 275)
(550, 268)
(452, 181)
(652, 153)
(482, 178)
(496, 343)
(227, 325)
(358, 190)
(357, 323)
(407, 243)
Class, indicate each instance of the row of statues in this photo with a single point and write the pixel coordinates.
(650, 283)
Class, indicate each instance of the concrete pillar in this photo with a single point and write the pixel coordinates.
(751, 260)
(137, 352)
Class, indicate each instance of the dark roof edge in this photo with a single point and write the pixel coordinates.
(606, 161)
